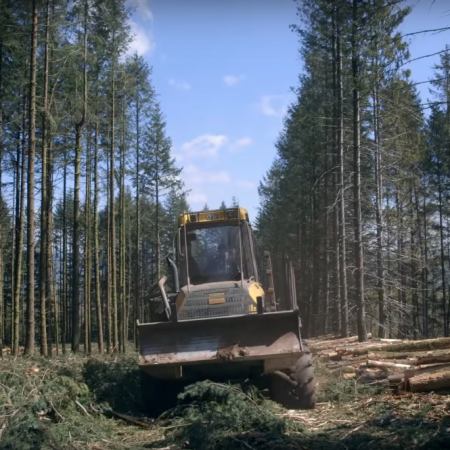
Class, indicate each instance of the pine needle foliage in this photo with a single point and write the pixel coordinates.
(44, 405)
(227, 417)
(114, 381)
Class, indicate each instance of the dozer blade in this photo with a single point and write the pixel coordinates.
(272, 339)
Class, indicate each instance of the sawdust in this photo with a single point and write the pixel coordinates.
(228, 353)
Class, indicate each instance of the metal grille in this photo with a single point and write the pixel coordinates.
(196, 305)
(212, 311)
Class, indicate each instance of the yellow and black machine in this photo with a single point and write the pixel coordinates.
(216, 321)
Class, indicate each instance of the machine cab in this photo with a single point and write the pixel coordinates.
(216, 246)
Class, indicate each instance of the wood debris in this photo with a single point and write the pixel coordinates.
(402, 365)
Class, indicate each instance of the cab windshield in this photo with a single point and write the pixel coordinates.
(213, 254)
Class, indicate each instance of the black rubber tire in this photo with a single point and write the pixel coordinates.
(303, 395)
(157, 396)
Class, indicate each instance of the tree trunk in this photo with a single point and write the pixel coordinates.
(65, 315)
(20, 220)
(44, 199)
(382, 329)
(413, 264)
(76, 244)
(87, 256)
(109, 270)
(122, 234)
(326, 261)
(342, 238)
(98, 300)
(137, 282)
(430, 382)
(76, 202)
(441, 235)
(29, 340)
(112, 210)
(425, 271)
(336, 213)
(158, 243)
(359, 263)
(2, 300)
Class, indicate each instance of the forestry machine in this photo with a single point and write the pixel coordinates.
(217, 322)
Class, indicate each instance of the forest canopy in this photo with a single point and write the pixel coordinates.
(360, 182)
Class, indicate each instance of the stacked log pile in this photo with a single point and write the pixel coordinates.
(402, 365)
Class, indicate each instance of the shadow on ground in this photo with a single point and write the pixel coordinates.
(369, 436)
(116, 382)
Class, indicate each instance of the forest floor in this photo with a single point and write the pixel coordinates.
(79, 402)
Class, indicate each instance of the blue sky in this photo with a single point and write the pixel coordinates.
(223, 71)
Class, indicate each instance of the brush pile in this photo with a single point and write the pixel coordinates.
(402, 365)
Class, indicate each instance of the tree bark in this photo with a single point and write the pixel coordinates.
(123, 314)
(382, 329)
(87, 255)
(76, 202)
(441, 235)
(2, 299)
(44, 199)
(76, 244)
(65, 306)
(137, 283)
(342, 238)
(112, 208)
(98, 301)
(29, 339)
(430, 382)
(336, 214)
(20, 221)
(359, 264)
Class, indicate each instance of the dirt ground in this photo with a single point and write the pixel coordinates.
(93, 403)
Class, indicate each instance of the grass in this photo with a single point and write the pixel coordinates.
(79, 402)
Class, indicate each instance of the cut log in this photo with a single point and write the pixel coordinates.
(372, 374)
(387, 365)
(396, 378)
(365, 377)
(421, 360)
(430, 382)
(383, 356)
(330, 356)
(421, 371)
(410, 346)
(349, 376)
(342, 364)
(323, 345)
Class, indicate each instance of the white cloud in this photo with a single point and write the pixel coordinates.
(204, 145)
(142, 42)
(274, 105)
(240, 143)
(245, 184)
(142, 8)
(180, 84)
(197, 197)
(194, 175)
(232, 80)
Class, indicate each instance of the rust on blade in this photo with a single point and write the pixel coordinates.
(238, 338)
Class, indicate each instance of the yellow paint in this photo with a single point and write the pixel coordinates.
(255, 290)
(216, 301)
(180, 300)
(217, 215)
(216, 298)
